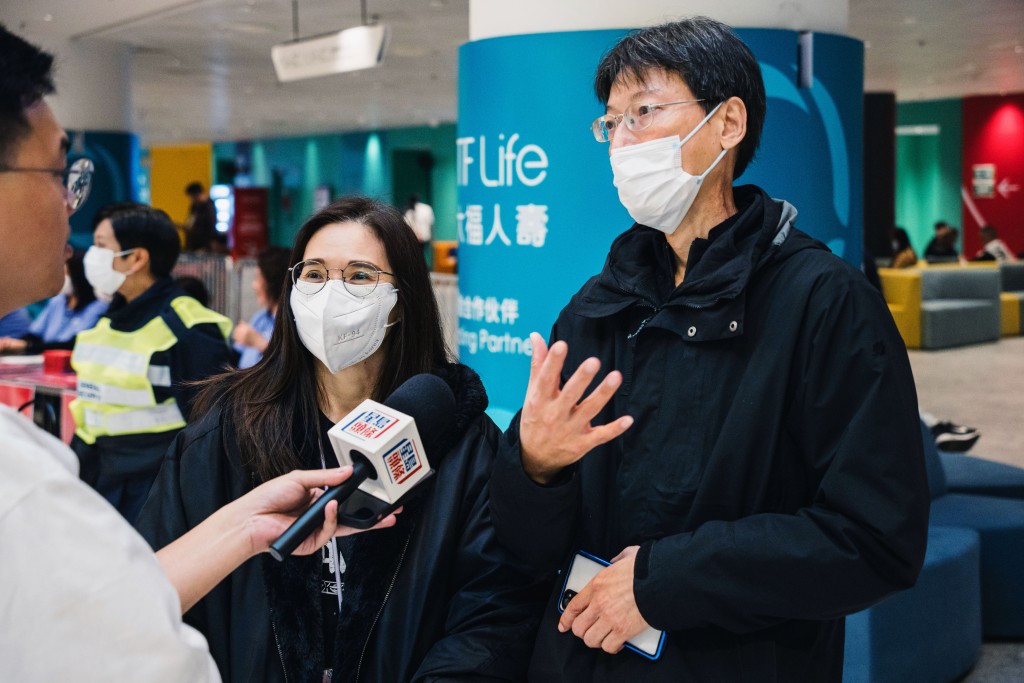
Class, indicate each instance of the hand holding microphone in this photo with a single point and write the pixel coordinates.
(387, 445)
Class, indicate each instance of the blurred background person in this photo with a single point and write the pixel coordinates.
(903, 252)
(74, 309)
(15, 323)
(194, 287)
(202, 219)
(942, 246)
(993, 248)
(420, 217)
(251, 338)
(134, 367)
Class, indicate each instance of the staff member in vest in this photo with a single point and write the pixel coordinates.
(134, 366)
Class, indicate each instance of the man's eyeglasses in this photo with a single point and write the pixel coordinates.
(360, 278)
(77, 179)
(637, 117)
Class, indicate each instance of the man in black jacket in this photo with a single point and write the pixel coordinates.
(773, 481)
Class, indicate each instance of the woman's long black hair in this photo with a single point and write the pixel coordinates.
(280, 397)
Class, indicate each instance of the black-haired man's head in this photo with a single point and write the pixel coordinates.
(707, 55)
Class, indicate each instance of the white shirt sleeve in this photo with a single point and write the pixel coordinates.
(84, 597)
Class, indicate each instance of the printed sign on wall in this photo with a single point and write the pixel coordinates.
(983, 180)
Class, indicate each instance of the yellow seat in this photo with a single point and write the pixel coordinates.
(902, 291)
(1009, 314)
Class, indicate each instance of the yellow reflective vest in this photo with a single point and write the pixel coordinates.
(118, 384)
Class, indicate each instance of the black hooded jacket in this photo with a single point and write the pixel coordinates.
(434, 598)
(773, 478)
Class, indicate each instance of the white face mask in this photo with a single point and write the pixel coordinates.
(340, 328)
(68, 289)
(99, 270)
(652, 184)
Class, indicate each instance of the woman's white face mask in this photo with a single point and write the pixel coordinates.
(340, 328)
(651, 181)
(99, 270)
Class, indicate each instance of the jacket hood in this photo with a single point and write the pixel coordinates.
(470, 401)
(640, 268)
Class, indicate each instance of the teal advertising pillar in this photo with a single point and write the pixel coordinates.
(537, 210)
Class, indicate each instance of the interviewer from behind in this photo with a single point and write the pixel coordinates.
(83, 597)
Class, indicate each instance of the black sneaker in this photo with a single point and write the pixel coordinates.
(954, 437)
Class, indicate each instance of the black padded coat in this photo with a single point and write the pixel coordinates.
(433, 598)
(774, 477)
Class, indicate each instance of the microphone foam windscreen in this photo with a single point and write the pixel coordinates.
(430, 402)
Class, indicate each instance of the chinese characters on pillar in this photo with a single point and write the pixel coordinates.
(481, 225)
(531, 226)
(493, 311)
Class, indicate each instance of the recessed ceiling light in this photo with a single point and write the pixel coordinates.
(47, 17)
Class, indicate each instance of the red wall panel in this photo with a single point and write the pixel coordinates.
(993, 133)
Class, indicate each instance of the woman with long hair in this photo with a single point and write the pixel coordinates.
(435, 597)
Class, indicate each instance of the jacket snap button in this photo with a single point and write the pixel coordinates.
(692, 331)
(733, 326)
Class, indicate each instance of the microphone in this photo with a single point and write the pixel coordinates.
(386, 444)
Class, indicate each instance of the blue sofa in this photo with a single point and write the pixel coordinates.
(970, 474)
(931, 632)
(971, 584)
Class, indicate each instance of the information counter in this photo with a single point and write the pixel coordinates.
(43, 396)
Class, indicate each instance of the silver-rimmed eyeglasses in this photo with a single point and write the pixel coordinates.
(77, 179)
(637, 117)
(360, 278)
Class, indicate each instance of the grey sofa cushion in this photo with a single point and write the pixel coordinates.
(958, 322)
(960, 283)
(1013, 277)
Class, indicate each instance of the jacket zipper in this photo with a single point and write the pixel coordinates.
(644, 322)
(280, 654)
(401, 558)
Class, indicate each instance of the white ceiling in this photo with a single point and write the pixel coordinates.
(201, 69)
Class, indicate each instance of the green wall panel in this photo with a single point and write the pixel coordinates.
(928, 168)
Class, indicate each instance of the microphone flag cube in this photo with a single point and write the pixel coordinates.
(389, 441)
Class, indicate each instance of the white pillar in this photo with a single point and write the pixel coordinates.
(488, 19)
(93, 80)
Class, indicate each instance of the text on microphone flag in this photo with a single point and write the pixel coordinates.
(370, 424)
(402, 461)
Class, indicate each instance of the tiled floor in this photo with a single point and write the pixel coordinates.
(981, 386)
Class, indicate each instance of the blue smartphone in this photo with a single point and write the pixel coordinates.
(585, 567)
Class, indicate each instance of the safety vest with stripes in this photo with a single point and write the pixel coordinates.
(116, 379)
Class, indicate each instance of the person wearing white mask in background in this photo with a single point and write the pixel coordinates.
(750, 457)
(134, 367)
(434, 598)
(74, 309)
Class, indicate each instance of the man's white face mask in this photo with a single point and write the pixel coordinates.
(651, 181)
(340, 328)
